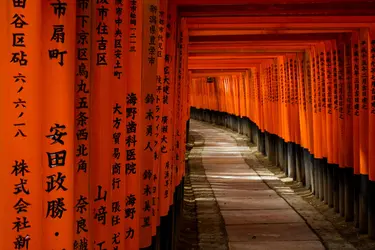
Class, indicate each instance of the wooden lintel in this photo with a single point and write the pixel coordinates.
(203, 71)
(354, 8)
(230, 62)
(260, 21)
(255, 50)
(226, 67)
(279, 26)
(242, 47)
(236, 32)
(196, 75)
(270, 42)
(238, 2)
(261, 38)
(239, 55)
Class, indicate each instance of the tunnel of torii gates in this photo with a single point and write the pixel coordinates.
(95, 99)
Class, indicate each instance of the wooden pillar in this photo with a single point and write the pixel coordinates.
(330, 184)
(58, 152)
(82, 165)
(20, 126)
(148, 99)
(349, 194)
(134, 124)
(291, 161)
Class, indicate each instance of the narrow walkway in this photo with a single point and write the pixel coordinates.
(238, 201)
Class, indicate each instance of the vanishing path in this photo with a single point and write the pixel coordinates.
(242, 205)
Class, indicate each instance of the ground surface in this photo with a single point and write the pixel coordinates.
(234, 199)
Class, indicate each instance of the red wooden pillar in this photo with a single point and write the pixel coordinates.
(82, 216)
(20, 126)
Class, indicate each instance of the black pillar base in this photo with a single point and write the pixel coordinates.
(330, 178)
(349, 194)
(165, 231)
(316, 168)
(371, 210)
(307, 166)
(291, 161)
(325, 180)
(342, 191)
(250, 127)
(261, 142)
(321, 179)
(285, 157)
(357, 187)
(254, 132)
(363, 204)
(336, 195)
(170, 225)
(300, 173)
(272, 148)
(280, 153)
(267, 144)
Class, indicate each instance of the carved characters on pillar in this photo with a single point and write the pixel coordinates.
(131, 166)
(356, 73)
(58, 34)
(82, 98)
(102, 31)
(133, 26)
(340, 61)
(20, 168)
(372, 70)
(19, 58)
(117, 165)
(118, 67)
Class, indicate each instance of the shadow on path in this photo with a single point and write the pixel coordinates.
(240, 204)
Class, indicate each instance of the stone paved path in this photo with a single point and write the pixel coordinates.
(240, 206)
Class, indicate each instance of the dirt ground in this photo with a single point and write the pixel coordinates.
(188, 239)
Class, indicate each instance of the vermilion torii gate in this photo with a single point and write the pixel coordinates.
(302, 81)
(95, 96)
(94, 107)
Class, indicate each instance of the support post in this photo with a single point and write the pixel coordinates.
(371, 210)
(306, 163)
(321, 180)
(280, 151)
(275, 142)
(272, 149)
(316, 177)
(342, 191)
(363, 205)
(298, 160)
(267, 144)
(261, 142)
(336, 197)
(291, 161)
(251, 132)
(330, 185)
(357, 188)
(285, 157)
(325, 180)
(349, 195)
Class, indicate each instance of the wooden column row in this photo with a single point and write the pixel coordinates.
(93, 109)
(321, 99)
